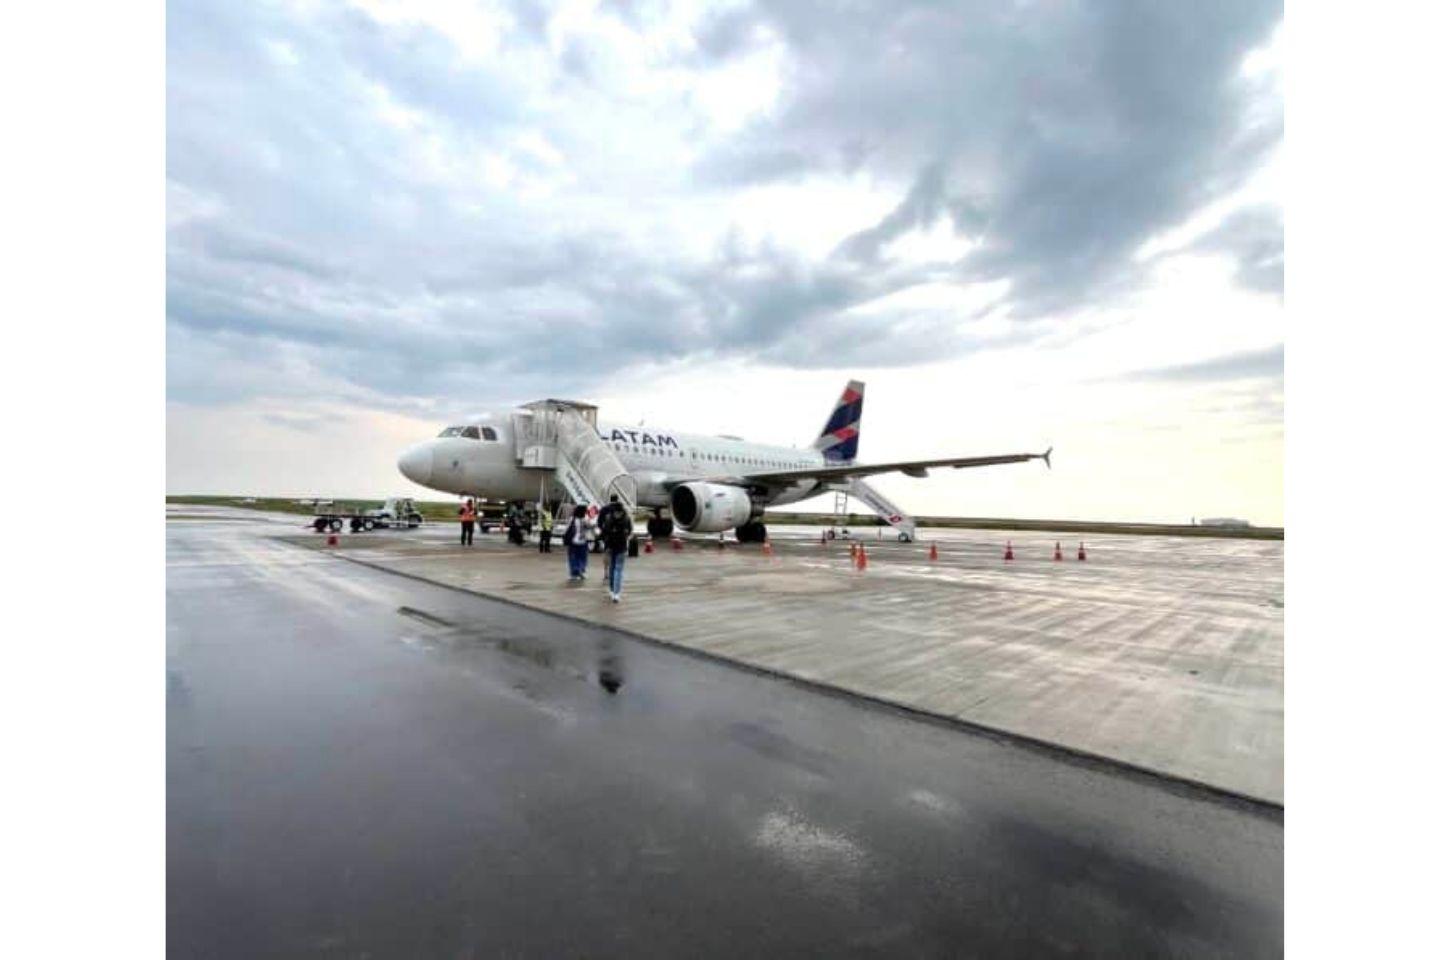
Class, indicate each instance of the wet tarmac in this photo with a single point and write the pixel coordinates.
(1164, 653)
(360, 764)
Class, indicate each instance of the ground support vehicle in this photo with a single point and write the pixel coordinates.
(396, 512)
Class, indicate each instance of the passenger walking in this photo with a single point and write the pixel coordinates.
(617, 526)
(576, 543)
(546, 529)
(466, 516)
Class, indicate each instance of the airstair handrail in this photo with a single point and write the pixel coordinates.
(592, 459)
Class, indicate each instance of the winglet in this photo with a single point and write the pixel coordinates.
(1047, 458)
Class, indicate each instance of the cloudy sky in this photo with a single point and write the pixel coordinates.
(1020, 223)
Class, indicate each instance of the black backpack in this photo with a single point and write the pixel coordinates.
(617, 526)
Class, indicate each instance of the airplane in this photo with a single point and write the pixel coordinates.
(709, 484)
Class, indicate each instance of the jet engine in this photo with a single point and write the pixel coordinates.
(710, 507)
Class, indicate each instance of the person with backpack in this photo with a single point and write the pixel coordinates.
(617, 526)
(576, 542)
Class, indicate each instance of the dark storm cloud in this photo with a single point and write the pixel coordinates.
(335, 233)
(919, 210)
(1060, 137)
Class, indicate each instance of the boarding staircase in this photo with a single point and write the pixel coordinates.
(857, 487)
(560, 438)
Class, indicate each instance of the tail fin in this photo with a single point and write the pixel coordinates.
(843, 428)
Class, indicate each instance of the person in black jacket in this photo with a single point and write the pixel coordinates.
(617, 526)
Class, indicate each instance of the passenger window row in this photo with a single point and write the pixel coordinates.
(713, 457)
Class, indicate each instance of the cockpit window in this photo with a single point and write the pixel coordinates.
(471, 433)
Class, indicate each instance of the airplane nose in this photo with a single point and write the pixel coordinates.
(416, 463)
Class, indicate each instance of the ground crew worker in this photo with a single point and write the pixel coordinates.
(546, 529)
(466, 516)
(617, 527)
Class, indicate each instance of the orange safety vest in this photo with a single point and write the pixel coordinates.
(467, 515)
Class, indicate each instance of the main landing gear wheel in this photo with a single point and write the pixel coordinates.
(369, 524)
(335, 526)
(752, 532)
(659, 528)
(320, 524)
(355, 524)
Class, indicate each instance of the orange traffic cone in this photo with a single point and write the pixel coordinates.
(649, 545)
(766, 548)
(332, 539)
(1081, 552)
(676, 543)
(933, 552)
(1008, 554)
(861, 557)
(1057, 551)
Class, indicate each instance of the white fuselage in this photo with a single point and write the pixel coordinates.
(490, 468)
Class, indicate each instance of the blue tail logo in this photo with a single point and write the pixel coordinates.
(842, 431)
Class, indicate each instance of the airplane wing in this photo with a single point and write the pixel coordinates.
(914, 468)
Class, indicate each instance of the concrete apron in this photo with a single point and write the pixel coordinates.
(1164, 654)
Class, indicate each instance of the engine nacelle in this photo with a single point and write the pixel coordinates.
(710, 507)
